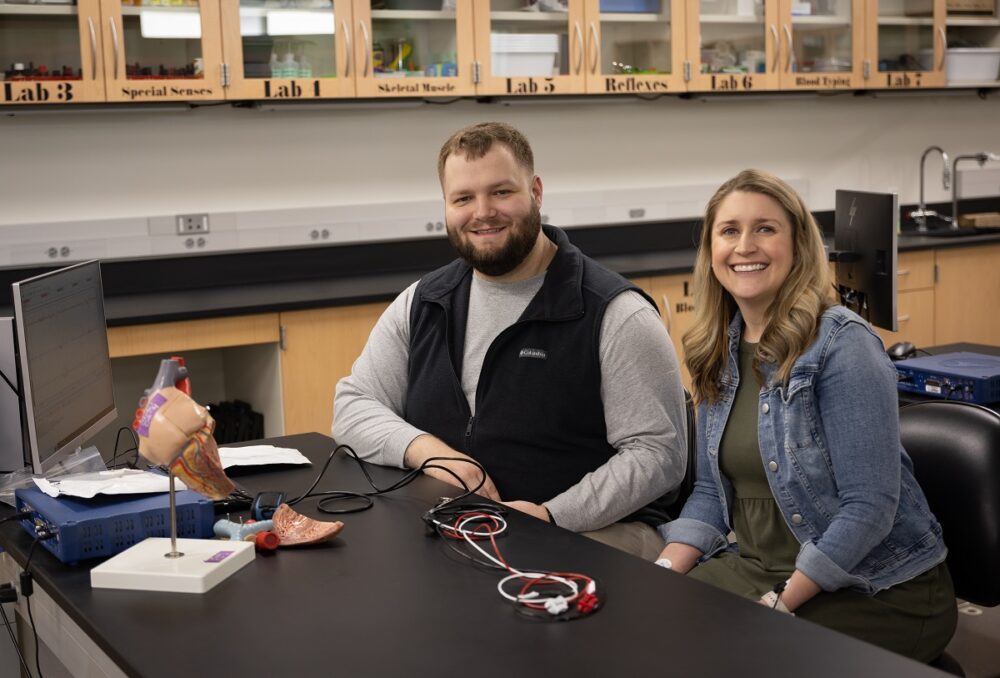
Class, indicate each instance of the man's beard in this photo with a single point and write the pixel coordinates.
(521, 238)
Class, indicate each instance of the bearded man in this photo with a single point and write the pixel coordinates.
(551, 371)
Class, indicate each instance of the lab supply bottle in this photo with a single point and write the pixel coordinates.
(305, 65)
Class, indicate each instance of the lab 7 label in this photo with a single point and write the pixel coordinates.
(288, 89)
(530, 86)
(728, 82)
(37, 92)
(900, 80)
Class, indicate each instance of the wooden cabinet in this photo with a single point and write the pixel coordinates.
(914, 300)
(672, 294)
(319, 348)
(193, 50)
(966, 294)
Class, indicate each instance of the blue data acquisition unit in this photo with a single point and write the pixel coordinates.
(104, 526)
(966, 376)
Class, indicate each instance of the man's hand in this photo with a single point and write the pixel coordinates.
(427, 447)
(536, 510)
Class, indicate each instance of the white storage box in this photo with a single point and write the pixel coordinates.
(972, 63)
(524, 54)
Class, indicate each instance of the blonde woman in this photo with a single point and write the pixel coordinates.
(798, 440)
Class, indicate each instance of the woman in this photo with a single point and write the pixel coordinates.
(798, 439)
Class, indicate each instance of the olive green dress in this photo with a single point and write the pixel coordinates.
(916, 618)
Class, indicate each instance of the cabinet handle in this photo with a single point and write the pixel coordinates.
(347, 40)
(595, 49)
(903, 271)
(944, 47)
(788, 49)
(902, 318)
(368, 49)
(777, 48)
(579, 50)
(114, 42)
(93, 48)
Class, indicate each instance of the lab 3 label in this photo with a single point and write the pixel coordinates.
(37, 92)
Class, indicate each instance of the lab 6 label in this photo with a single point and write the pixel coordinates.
(37, 92)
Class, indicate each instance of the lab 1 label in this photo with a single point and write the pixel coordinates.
(731, 83)
(288, 89)
(531, 86)
(900, 80)
(37, 92)
(634, 85)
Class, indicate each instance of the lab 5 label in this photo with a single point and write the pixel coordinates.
(731, 83)
(37, 92)
(530, 86)
(288, 90)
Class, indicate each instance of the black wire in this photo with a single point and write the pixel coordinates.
(17, 647)
(27, 602)
(331, 496)
(134, 448)
(34, 632)
(9, 383)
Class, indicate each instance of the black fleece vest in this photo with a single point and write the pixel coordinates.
(539, 424)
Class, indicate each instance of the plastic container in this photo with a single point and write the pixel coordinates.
(972, 63)
(524, 54)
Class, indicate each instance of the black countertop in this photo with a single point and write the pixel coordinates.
(242, 283)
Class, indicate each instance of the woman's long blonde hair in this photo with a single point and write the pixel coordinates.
(792, 316)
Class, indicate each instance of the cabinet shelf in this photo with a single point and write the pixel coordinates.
(821, 21)
(413, 14)
(48, 10)
(139, 9)
(905, 21)
(986, 22)
(731, 19)
(541, 17)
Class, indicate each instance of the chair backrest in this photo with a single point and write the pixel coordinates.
(955, 448)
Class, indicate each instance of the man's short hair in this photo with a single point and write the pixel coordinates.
(475, 141)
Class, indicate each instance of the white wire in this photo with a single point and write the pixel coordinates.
(531, 596)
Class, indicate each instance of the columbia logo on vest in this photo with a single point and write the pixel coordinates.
(533, 353)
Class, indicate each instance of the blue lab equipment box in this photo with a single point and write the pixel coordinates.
(104, 526)
(646, 6)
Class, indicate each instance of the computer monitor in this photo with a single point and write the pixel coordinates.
(864, 238)
(64, 369)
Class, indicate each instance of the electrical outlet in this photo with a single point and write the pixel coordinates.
(192, 223)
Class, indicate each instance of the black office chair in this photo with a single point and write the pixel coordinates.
(955, 448)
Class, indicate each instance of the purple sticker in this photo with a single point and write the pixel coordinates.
(219, 556)
(147, 414)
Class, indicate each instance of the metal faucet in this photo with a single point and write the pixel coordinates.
(921, 214)
(981, 158)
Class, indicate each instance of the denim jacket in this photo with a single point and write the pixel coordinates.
(829, 443)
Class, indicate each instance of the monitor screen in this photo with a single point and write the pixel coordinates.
(65, 369)
(864, 234)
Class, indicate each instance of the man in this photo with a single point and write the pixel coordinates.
(551, 371)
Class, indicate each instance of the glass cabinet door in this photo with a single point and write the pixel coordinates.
(733, 45)
(51, 53)
(635, 46)
(162, 50)
(823, 44)
(531, 47)
(906, 43)
(414, 48)
(293, 49)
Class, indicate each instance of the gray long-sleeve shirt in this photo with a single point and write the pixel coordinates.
(640, 387)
